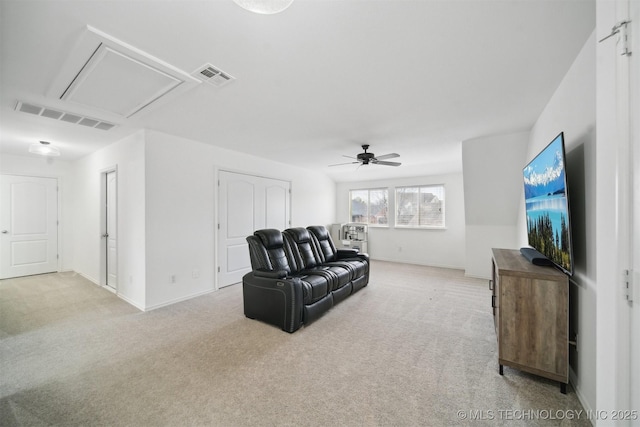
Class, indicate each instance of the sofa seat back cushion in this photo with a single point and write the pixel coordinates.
(267, 251)
(326, 250)
(300, 246)
(328, 254)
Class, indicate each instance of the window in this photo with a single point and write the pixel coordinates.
(420, 206)
(370, 206)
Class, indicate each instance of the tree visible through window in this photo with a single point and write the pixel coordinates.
(370, 206)
(420, 206)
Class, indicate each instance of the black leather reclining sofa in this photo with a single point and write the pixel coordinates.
(298, 275)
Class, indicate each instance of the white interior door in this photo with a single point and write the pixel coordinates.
(246, 203)
(28, 225)
(111, 230)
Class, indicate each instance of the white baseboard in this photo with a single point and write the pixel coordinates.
(416, 263)
(119, 295)
(173, 301)
(128, 301)
(475, 276)
(89, 278)
(137, 305)
(583, 401)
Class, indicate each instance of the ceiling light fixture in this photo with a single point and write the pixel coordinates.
(44, 148)
(266, 7)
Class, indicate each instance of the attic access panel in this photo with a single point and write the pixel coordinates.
(109, 77)
(115, 82)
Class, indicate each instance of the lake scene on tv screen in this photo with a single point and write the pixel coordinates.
(547, 206)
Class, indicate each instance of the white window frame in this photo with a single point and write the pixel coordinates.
(369, 190)
(441, 189)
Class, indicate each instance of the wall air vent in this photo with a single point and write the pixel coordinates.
(62, 116)
(213, 75)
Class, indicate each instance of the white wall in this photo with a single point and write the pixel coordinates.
(49, 167)
(492, 187)
(166, 210)
(180, 219)
(572, 109)
(440, 248)
(182, 208)
(128, 156)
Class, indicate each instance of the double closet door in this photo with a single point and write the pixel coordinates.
(247, 203)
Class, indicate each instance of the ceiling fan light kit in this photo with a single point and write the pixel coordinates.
(265, 7)
(366, 158)
(44, 148)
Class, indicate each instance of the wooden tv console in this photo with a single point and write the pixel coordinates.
(531, 316)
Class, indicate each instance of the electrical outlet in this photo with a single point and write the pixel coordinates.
(173, 278)
(195, 273)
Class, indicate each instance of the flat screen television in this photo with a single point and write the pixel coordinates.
(547, 205)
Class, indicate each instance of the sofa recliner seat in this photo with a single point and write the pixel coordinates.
(298, 274)
(304, 256)
(327, 253)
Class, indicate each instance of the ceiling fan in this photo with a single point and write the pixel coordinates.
(366, 158)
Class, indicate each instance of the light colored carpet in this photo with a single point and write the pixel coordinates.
(414, 347)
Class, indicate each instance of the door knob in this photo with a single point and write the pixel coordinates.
(105, 235)
(5, 231)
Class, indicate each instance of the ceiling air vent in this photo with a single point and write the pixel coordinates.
(62, 116)
(213, 75)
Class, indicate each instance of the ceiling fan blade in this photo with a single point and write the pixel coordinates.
(387, 156)
(377, 162)
(342, 164)
(367, 158)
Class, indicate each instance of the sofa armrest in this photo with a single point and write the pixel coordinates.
(270, 274)
(347, 253)
(278, 301)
